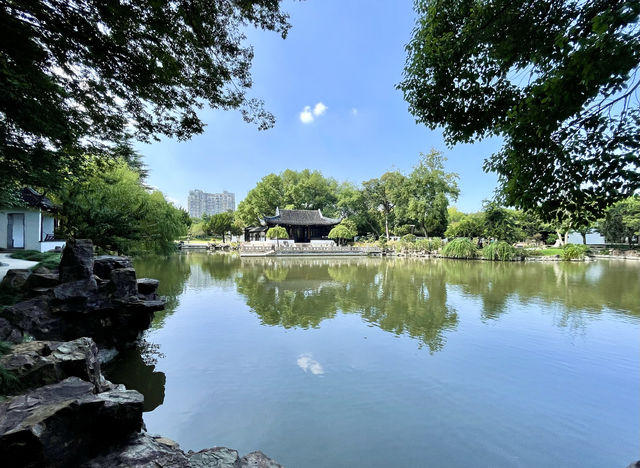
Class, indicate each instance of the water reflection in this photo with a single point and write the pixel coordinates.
(276, 354)
(135, 370)
(308, 364)
(404, 296)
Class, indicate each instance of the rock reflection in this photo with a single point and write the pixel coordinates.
(136, 371)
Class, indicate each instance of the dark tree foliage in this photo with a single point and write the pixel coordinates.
(557, 79)
(76, 76)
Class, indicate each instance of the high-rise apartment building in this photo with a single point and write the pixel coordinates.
(200, 203)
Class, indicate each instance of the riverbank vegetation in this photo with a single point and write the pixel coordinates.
(395, 203)
(110, 204)
(45, 259)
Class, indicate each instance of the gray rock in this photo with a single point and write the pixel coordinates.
(147, 451)
(78, 291)
(109, 310)
(9, 333)
(32, 315)
(216, 457)
(15, 279)
(42, 278)
(77, 260)
(104, 264)
(140, 451)
(39, 363)
(62, 424)
(147, 286)
(123, 283)
(257, 460)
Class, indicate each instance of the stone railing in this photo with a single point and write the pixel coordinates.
(305, 249)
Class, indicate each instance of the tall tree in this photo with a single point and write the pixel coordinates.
(382, 194)
(77, 77)
(219, 224)
(555, 78)
(428, 192)
(352, 203)
(501, 223)
(292, 190)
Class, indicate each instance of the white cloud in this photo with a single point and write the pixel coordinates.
(307, 363)
(306, 116)
(319, 109)
(354, 111)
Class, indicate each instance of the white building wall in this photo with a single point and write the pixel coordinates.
(3, 229)
(32, 230)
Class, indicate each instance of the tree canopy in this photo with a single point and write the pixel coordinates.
(78, 77)
(622, 221)
(344, 231)
(394, 202)
(110, 205)
(302, 190)
(277, 232)
(557, 80)
(220, 224)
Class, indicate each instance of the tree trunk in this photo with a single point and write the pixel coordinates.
(566, 238)
(558, 242)
(386, 226)
(584, 238)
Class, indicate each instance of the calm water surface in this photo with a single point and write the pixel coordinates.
(395, 363)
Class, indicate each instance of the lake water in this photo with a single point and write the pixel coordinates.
(394, 362)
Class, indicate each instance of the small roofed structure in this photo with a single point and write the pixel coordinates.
(255, 233)
(30, 226)
(303, 226)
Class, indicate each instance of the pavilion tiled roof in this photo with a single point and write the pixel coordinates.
(300, 218)
(34, 199)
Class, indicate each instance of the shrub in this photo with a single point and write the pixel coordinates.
(423, 245)
(499, 251)
(574, 252)
(552, 238)
(408, 238)
(460, 247)
(436, 243)
(277, 232)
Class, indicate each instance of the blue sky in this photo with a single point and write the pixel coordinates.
(347, 55)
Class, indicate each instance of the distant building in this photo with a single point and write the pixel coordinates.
(201, 203)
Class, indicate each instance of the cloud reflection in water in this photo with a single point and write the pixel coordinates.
(307, 363)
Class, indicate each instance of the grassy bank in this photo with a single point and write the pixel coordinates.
(46, 259)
